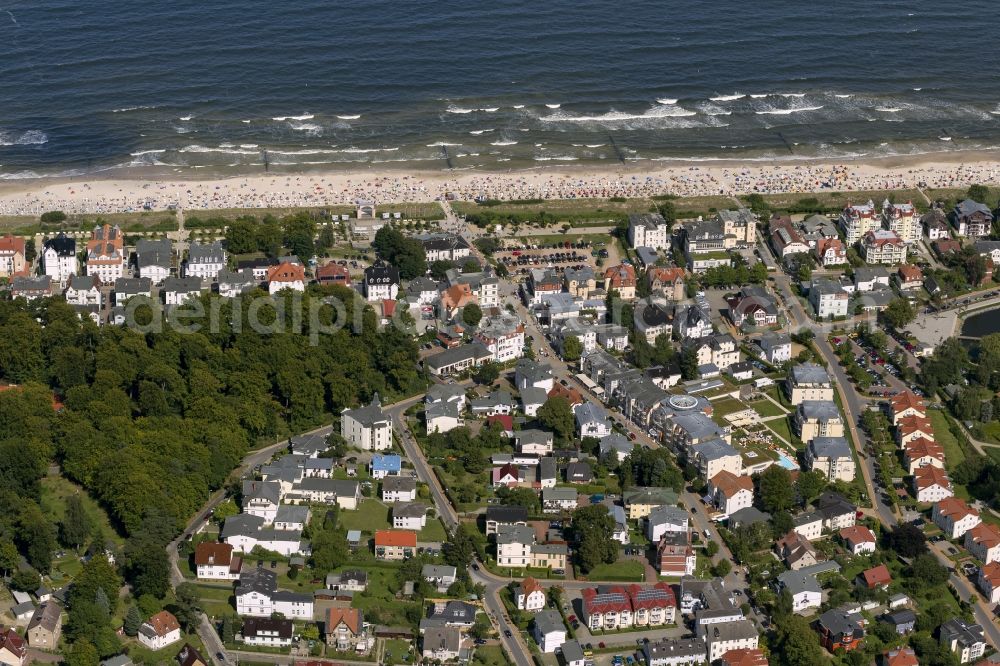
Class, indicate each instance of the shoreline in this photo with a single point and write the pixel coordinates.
(155, 188)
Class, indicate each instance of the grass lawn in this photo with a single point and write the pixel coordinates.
(953, 452)
(565, 210)
(379, 602)
(216, 599)
(139, 221)
(433, 531)
(490, 655)
(56, 488)
(371, 515)
(767, 408)
(993, 452)
(781, 428)
(395, 650)
(838, 200)
(140, 654)
(623, 570)
(989, 432)
(727, 406)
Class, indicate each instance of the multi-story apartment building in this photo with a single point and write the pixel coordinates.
(857, 220)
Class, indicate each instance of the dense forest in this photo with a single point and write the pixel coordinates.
(151, 423)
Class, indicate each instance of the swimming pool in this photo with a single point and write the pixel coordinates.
(787, 462)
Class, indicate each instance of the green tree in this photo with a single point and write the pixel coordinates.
(907, 540)
(460, 548)
(776, 490)
(979, 193)
(241, 235)
(187, 608)
(712, 548)
(810, 485)
(689, 363)
(593, 526)
(796, 643)
(228, 634)
(472, 314)
(440, 268)
(82, 653)
(25, 580)
(557, 415)
(899, 313)
(53, 217)
(133, 620)
(722, 568)
(75, 526)
(572, 349)
(487, 373)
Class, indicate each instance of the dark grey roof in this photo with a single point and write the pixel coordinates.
(211, 253)
(455, 355)
(969, 207)
(252, 626)
(820, 410)
(507, 514)
(259, 579)
(185, 285)
(370, 415)
(62, 244)
(242, 524)
(83, 282)
(398, 484)
(830, 447)
(714, 449)
(268, 490)
(149, 252)
(379, 275)
(548, 621)
(133, 286)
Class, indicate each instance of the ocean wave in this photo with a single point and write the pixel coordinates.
(308, 151)
(888, 109)
(519, 106)
(245, 122)
(354, 117)
(561, 158)
(126, 109)
(311, 128)
(503, 143)
(304, 116)
(656, 112)
(553, 106)
(727, 98)
(595, 145)
(478, 132)
(757, 96)
(439, 144)
(458, 109)
(490, 109)
(185, 118)
(843, 95)
(19, 175)
(140, 153)
(792, 94)
(248, 145)
(785, 112)
(353, 150)
(195, 148)
(666, 100)
(28, 138)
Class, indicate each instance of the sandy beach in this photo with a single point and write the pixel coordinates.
(140, 191)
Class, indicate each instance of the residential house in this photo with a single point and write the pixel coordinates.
(954, 517)
(159, 631)
(411, 516)
(753, 307)
(333, 273)
(828, 298)
(529, 595)
(744, 657)
(964, 639)
(549, 631)
(580, 282)
(932, 485)
(106, 256)
(902, 220)
(440, 576)
(58, 257)
(777, 347)
(533, 441)
(444, 247)
(841, 630)
(671, 282)
(529, 373)
(730, 492)
(857, 220)
(804, 589)
(154, 258)
(663, 519)
(621, 279)
(542, 282)
(344, 630)
(441, 644)
(556, 500)
(497, 516)
(205, 260)
(12, 256)
(859, 540)
(368, 428)
(715, 456)
(13, 648)
(126, 288)
(983, 542)
(692, 321)
(674, 652)
(989, 582)
(381, 283)
(45, 627)
(830, 455)
(972, 219)
(875, 578)
(902, 621)
(554, 556)
(352, 580)
(904, 656)
(820, 418)
(383, 465)
(592, 421)
(935, 224)
(234, 283)
(579, 472)
(836, 511)
(395, 545)
(572, 653)
(83, 290)
(830, 252)
(909, 277)
(267, 632)
(738, 226)
(31, 287)
(906, 403)
(616, 607)
(639, 502)
(648, 230)
(286, 275)
(215, 561)
(653, 320)
(721, 637)
(871, 278)
(399, 489)
(532, 399)
(261, 498)
(674, 554)
(188, 656)
(879, 246)
(514, 545)
(457, 359)
(178, 290)
(794, 548)
(785, 238)
(911, 428)
(502, 335)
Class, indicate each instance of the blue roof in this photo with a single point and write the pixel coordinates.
(387, 463)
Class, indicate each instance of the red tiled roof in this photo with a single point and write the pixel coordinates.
(396, 538)
(611, 599)
(286, 272)
(622, 275)
(333, 272)
(349, 617)
(985, 535)
(663, 274)
(505, 420)
(13, 642)
(877, 576)
(906, 400)
(922, 447)
(163, 623)
(646, 598)
(928, 475)
(955, 508)
(730, 484)
(991, 573)
(744, 657)
(11, 243)
(529, 585)
(910, 273)
(911, 424)
(857, 534)
(216, 554)
(903, 656)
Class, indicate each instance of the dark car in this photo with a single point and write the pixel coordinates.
(506, 632)
(220, 656)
